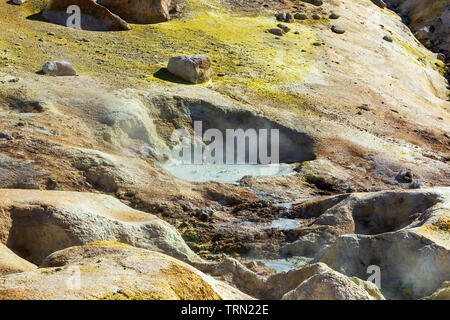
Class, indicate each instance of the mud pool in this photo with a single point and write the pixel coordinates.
(224, 173)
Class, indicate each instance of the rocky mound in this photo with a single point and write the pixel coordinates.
(94, 17)
(360, 103)
(36, 223)
(114, 271)
(405, 233)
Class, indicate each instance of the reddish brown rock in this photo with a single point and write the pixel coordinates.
(139, 11)
(94, 17)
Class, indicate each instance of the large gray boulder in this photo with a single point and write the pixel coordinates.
(59, 68)
(36, 223)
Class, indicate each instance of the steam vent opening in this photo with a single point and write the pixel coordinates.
(235, 144)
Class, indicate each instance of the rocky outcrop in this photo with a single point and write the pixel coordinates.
(139, 11)
(311, 282)
(194, 68)
(12, 263)
(94, 17)
(36, 223)
(114, 271)
(404, 233)
(429, 20)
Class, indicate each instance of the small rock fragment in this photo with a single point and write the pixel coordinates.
(334, 16)
(5, 135)
(423, 33)
(300, 16)
(441, 57)
(337, 30)
(281, 16)
(289, 17)
(317, 3)
(276, 31)
(283, 27)
(404, 176)
(415, 185)
(285, 17)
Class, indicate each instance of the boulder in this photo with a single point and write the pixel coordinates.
(300, 16)
(405, 233)
(139, 11)
(12, 263)
(94, 17)
(59, 68)
(36, 223)
(114, 271)
(192, 68)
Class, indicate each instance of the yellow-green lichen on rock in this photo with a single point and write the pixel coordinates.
(114, 272)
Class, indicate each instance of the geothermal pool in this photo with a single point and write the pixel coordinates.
(280, 265)
(285, 224)
(224, 173)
